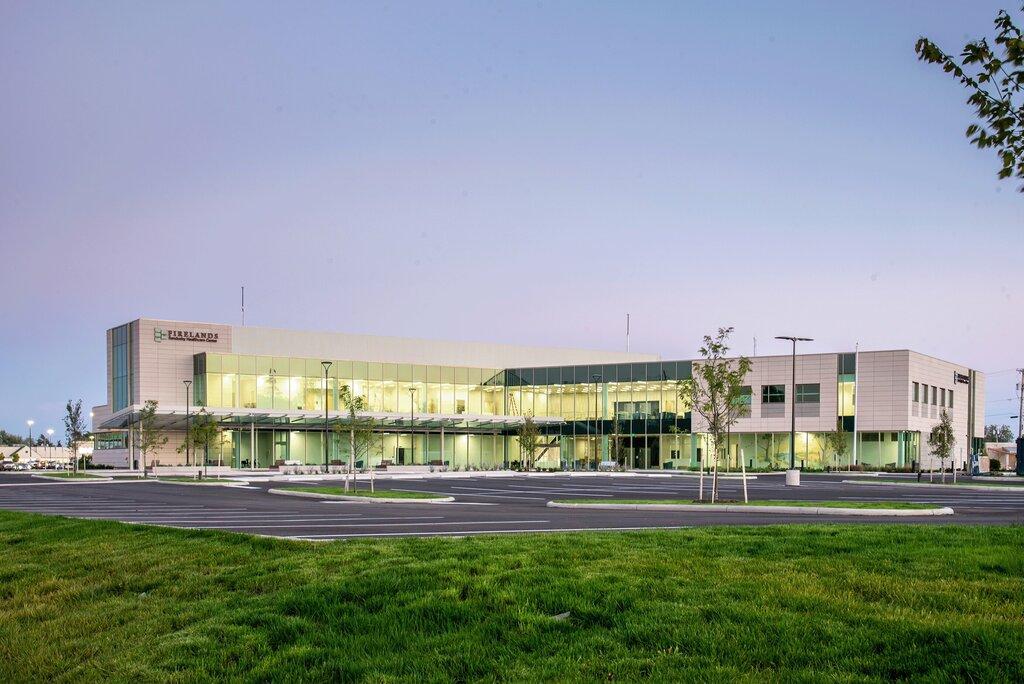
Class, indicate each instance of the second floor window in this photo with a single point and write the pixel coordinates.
(808, 394)
(773, 394)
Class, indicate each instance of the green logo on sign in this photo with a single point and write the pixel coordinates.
(159, 334)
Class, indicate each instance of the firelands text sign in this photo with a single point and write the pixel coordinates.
(159, 334)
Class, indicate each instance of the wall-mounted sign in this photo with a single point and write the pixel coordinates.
(159, 335)
(961, 378)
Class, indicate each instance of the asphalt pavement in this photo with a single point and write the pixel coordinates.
(483, 505)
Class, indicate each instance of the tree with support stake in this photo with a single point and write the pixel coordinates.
(203, 432)
(529, 441)
(941, 441)
(835, 443)
(74, 429)
(714, 393)
(151, 435)
(362, 439)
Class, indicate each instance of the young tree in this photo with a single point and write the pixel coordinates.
(150, 435)
(835, 443)
(996, 86)
(203, 432)
(941, 440)
(713, 392)
(74, 428)
(363, 441)
(618, 443)
(998, 433)
(529, 440)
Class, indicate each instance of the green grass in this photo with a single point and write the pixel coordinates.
(66, 475)
(100, 601)
(769, 502)
(181, 478)
(379, 494)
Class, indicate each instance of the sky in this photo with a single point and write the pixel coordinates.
(512, 172)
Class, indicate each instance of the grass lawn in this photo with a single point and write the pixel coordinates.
(67, 475)
(181, 478)
(769, 502)
(100, 600)
(379, 494)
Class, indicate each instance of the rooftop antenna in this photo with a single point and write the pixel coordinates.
(627, 333)
(755, 345)
(243, 306)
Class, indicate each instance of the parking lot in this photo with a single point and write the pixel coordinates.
(483, 505)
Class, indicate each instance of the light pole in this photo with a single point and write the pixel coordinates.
(188, 437)
(1020, 411)
(792, 413)
(596, 377)
(412, 421)
(49, 438)
(327, 367)
(30, 423)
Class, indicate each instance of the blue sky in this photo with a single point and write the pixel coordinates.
(516, 172)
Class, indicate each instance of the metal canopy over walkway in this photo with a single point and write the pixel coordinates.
(174, 418)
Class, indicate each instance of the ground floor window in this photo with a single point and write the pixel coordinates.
(262, 448)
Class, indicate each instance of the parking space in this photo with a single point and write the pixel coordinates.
(484, 505)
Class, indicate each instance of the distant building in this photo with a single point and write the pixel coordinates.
(459, 403)
(43, 455)
(1004, 453)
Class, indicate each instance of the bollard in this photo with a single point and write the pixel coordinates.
(793, 478)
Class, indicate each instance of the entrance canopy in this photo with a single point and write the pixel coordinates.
(175, 418)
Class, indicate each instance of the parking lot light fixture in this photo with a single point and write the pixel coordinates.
(188, 384)
(792, 413)
(596, 377)
(327, 367)
(30, 423)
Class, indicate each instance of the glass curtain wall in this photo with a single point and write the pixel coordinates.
(290, 384)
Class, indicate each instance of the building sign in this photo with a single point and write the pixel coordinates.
(159, 335)
(961, 378)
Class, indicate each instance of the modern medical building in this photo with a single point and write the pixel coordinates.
(460, 404)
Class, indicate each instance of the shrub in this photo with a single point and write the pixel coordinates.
(994, 465)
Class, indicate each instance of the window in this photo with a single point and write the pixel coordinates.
(950, 398)
(917, 389)
(743, 402)
(942, 401)
(808, 394)
(773, 394)
(935, 395)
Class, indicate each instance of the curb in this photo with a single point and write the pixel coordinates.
(797, 510)
(954, 487)
(359, 499)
